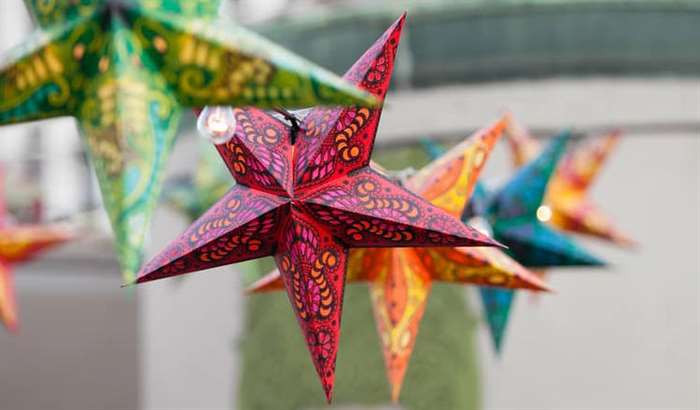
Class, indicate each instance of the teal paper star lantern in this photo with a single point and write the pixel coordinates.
(515, 216)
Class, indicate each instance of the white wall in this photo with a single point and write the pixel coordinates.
(78, 342)
(189, 328)
(77, 347)
(627, 337)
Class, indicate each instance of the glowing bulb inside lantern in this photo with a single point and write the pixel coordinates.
(544, 213)
(217, 124)
(481, 225)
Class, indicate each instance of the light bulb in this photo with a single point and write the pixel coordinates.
(544, 213)
(217, 124)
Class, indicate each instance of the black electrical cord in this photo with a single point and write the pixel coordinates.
(296, 127)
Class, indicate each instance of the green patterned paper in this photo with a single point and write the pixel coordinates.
(48, 12)
(125, 69)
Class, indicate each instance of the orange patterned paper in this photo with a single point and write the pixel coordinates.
(567, 194)
(400, 279)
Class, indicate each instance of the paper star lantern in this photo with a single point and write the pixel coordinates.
(567, 195)
(515, 214)
(19, 244)
(496, 303)
(400, 279)
(192, 196)
(125, 69)
(305, 196)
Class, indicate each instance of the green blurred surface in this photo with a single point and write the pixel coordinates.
(450, 41)
(276, 370)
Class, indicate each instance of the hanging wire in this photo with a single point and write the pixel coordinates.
(293, 120)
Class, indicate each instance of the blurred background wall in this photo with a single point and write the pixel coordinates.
(78, 342)
(627, 337)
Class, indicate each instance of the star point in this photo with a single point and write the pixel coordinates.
(19, 244)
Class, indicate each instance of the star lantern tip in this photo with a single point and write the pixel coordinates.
(524, 278)
(8, 305)
(269, 283)
(328, 390)
(497, 305)
(395, 393)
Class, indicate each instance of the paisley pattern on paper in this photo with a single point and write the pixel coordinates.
(367, 209)
(242, 225)
(357, 209)
(260, 153)
(399, 295)
(338, 141)
(312, 219)
(313, 268)
(360, 268)
(449, 181)
(125, 69)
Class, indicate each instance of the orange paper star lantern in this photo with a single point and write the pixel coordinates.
(400, 279)
(567, 205)
(18, 244)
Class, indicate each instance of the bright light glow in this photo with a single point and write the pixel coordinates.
(217, 124)
(481, 225)
(544, 213)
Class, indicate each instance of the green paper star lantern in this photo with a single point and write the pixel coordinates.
(126, 69)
